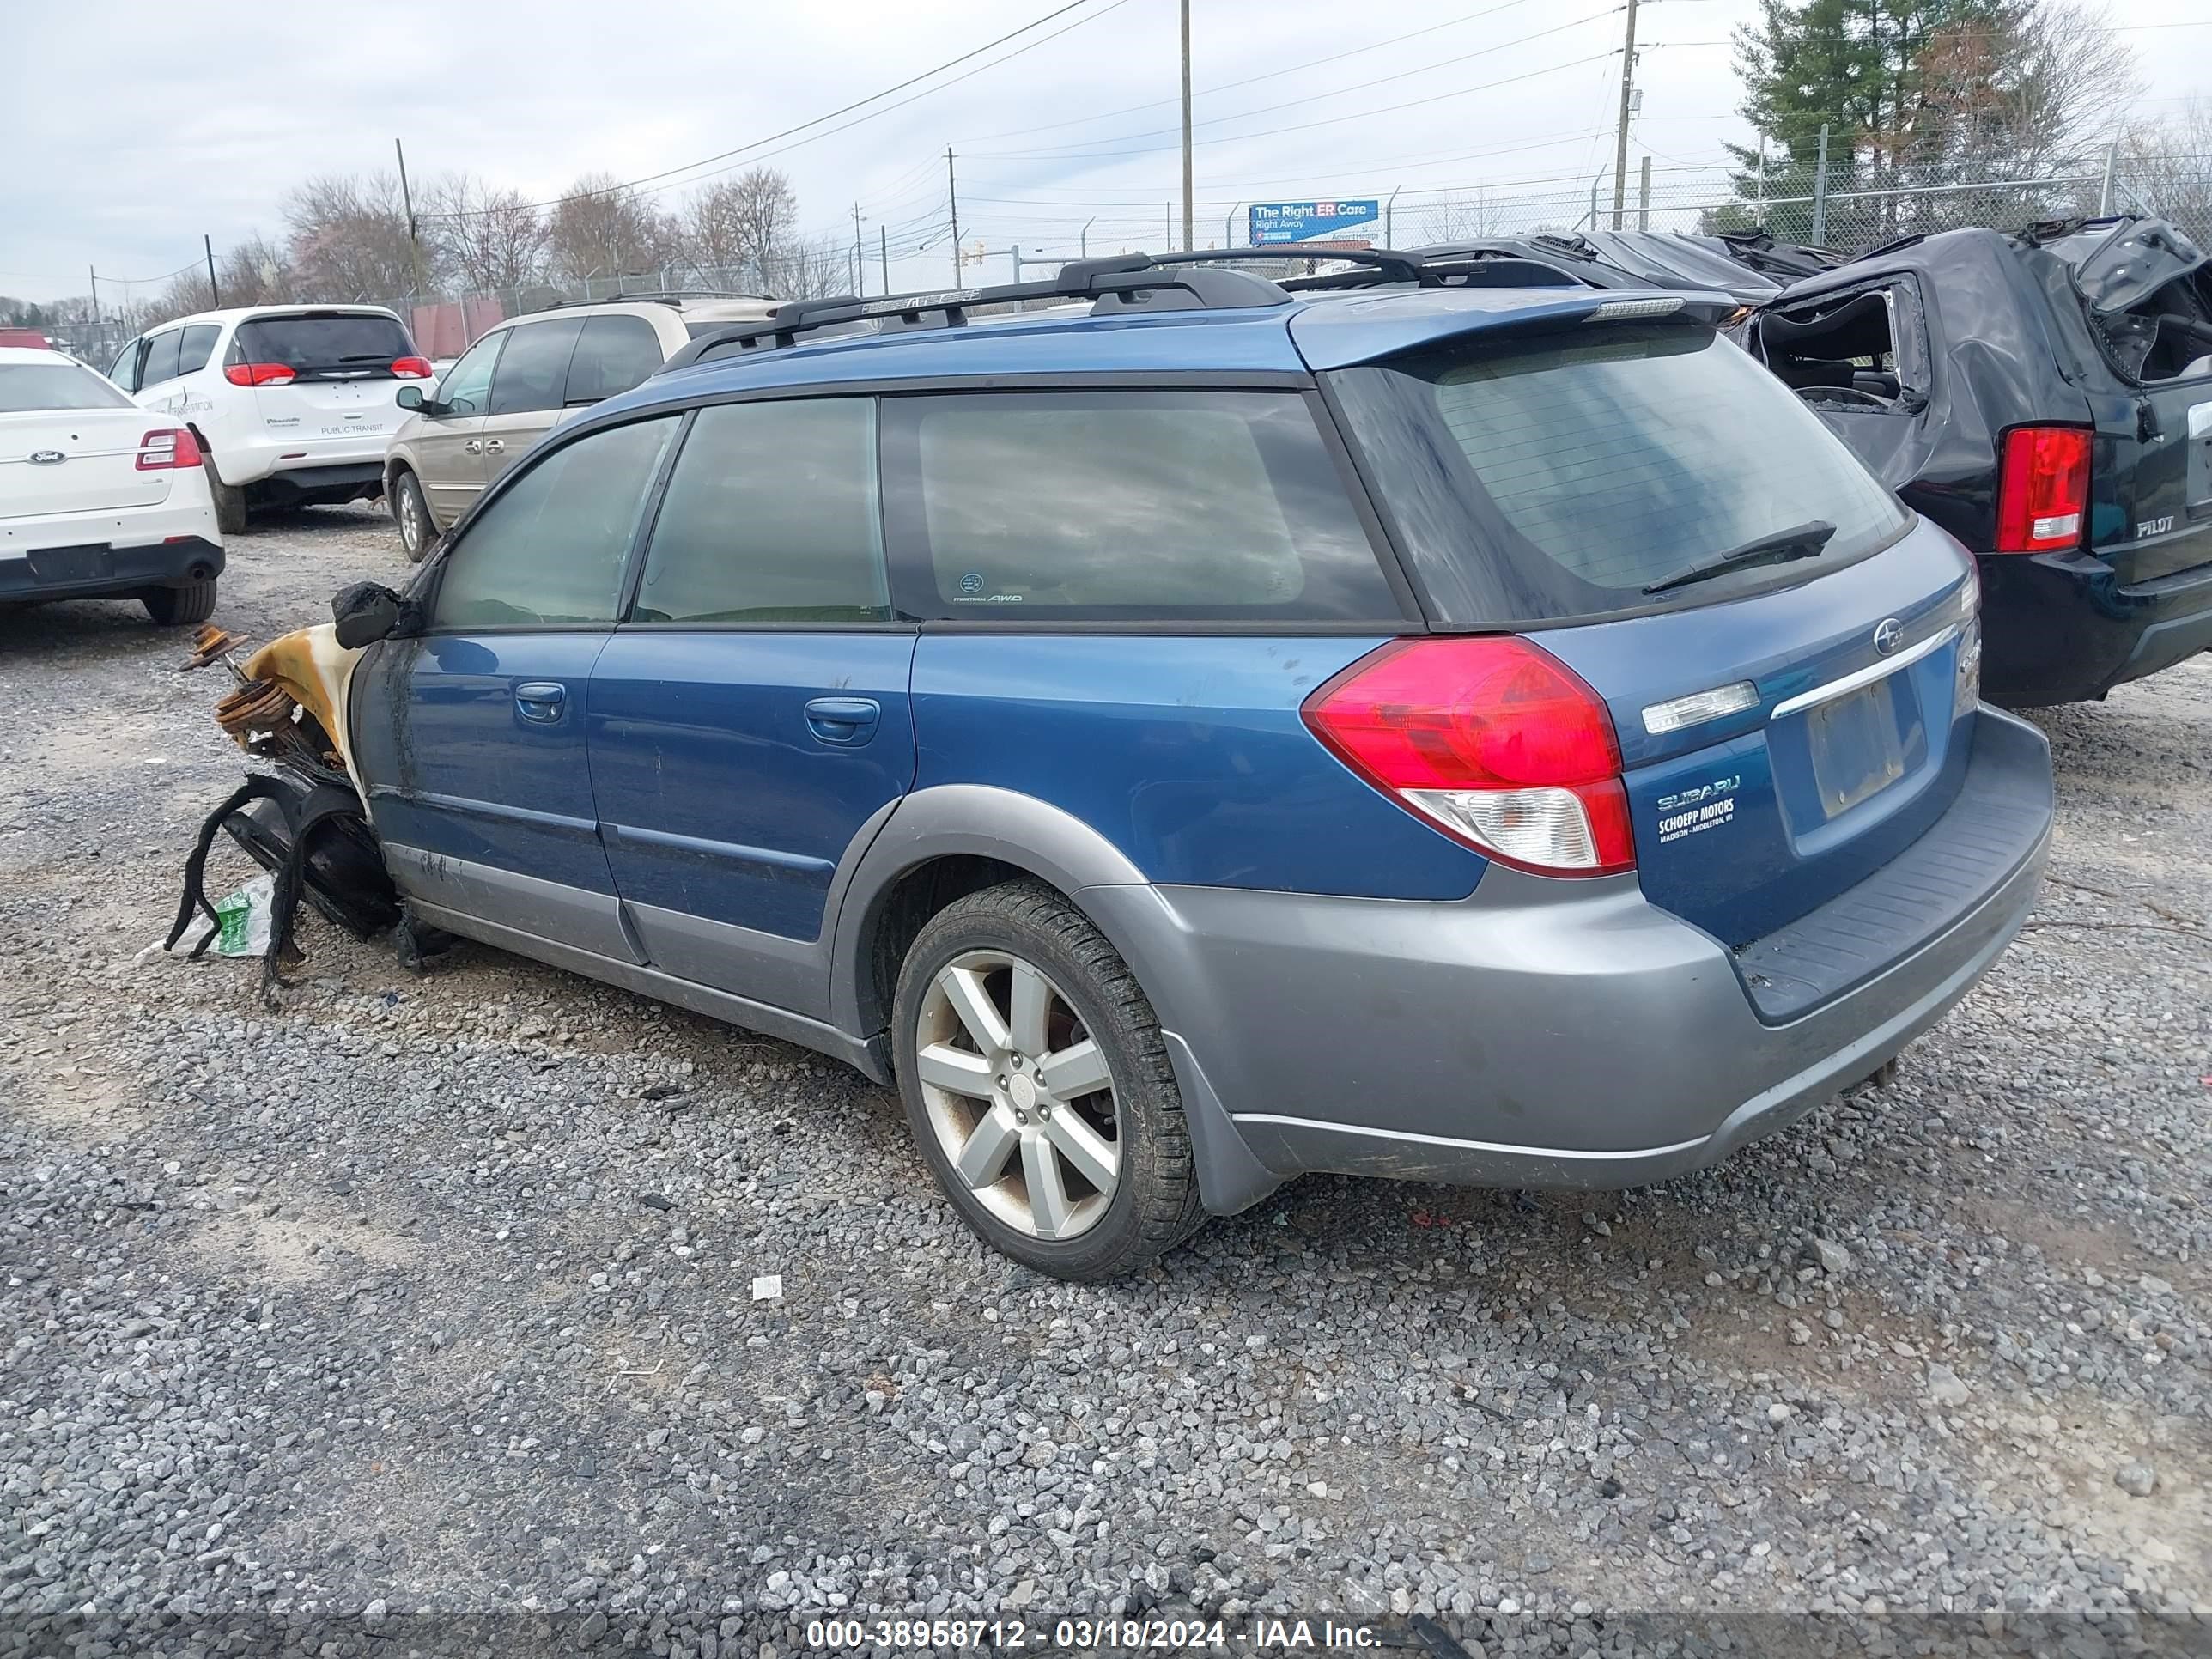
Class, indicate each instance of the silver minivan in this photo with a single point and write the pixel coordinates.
(511, 387)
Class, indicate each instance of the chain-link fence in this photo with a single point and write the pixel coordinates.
(1846, 210)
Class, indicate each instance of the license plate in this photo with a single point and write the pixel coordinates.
(1856, 749)
(84, 564)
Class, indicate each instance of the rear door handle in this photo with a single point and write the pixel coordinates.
(850, 721)
(495, 445)
(540, 700)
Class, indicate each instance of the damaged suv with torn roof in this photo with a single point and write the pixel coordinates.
(2046, 396)
(1231, 731)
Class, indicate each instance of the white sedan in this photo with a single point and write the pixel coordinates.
(98, 498)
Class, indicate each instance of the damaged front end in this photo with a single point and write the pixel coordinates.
(300, 816)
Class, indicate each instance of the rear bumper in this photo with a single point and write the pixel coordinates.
(98, 570)
(1544, 1033)
(2063, 629)
(256, 457)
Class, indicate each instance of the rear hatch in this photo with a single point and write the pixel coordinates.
(2147, 289)
(325, 375)
(68, 443)
(1791, 719)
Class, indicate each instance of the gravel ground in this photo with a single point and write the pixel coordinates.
(433, 1295)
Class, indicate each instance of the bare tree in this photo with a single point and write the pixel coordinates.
(2023, 88)
(745, 221)
(257, 273)
(602, 227)
(2167, 168)
(809, 269)
(1463, 217)
(350, 239)
(487, 238)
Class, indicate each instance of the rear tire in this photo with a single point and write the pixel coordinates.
(229, 504)
(1146, 1200)
(411, 514)
(172, 607)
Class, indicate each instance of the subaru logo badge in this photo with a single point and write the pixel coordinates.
(1888, 635)
(47, 458)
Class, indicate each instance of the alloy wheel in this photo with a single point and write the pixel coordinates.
(1019, 1095)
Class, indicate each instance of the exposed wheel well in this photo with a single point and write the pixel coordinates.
(902, 910)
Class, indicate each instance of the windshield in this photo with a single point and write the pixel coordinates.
(27, 386)
(338, 344)
(1553, 476)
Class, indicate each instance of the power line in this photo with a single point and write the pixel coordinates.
(1230, 85)
(1076, 152)
(774, 137)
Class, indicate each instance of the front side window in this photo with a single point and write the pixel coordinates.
(197, 347)
(550, 549)
(534, 368)
(613, 354)
(1555, 476)
(466, 389)
(161, 362)
(770, 517)
(1126, 506)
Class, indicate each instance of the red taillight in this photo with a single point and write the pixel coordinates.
(411, 369)
(167, 446)
(2043, 488)
(259, 375)
(1497, 743)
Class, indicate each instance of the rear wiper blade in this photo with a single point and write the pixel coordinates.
(1799, 541)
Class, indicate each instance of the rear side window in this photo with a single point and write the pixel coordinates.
(197, 346)
(613, 354)
(27, 386)
(324, 345)
(161, 362)
(1124, 506)
(550, 549)
(1551, 476)
(770, 517)
(534, 368)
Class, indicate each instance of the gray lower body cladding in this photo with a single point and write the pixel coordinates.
(1541, 1033)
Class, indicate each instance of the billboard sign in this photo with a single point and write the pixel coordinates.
(1340, 221)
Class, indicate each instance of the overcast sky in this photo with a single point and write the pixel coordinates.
(130, 130)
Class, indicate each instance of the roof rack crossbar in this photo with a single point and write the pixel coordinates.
(1120, 277)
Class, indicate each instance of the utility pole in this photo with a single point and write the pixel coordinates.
(1186, 231)
(860, 259)
(1643, 197)
(94, 275)
(952, 197)
(883, 250)
(1621, 135)
(407, 201)
(215, 294)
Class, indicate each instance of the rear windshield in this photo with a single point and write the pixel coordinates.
(332, 346)
(1551, 476)
(27, 386)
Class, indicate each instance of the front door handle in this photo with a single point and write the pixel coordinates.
(472, 447)
(849, 721)
(540, 700)
(495, 445)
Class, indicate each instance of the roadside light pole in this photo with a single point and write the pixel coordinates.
(1187, 233)
(952, 200)
(1621, 135)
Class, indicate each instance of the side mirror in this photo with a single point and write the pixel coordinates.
(410, 396)
(365, 612)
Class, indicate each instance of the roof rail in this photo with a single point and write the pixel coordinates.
(1118, 277)
(660, 296)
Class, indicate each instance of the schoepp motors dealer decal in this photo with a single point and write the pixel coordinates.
(1693, 811)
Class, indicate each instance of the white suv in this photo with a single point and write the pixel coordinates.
(292, 404)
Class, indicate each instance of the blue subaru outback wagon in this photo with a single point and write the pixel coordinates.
(1226, 729)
